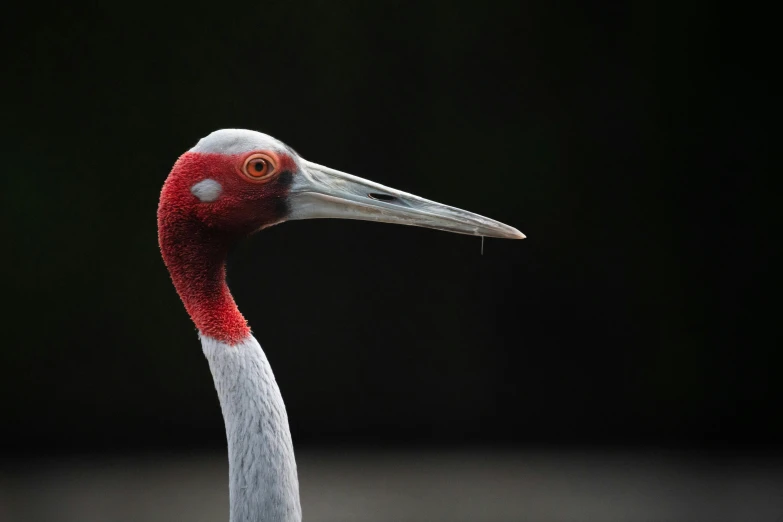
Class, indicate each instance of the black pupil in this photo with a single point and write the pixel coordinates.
(258, 165)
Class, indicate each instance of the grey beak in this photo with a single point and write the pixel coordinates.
(322, 192)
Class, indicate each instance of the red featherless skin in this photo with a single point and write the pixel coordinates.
(195, 236)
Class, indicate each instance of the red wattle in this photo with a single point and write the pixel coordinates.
(195, 237)
(195, 257)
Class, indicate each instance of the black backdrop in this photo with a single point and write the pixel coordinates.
(629, 142)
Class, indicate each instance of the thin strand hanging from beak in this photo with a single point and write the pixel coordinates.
(482, 245)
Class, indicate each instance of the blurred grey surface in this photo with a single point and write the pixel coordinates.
(409, 486)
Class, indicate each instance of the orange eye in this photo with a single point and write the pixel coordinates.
(259, 167)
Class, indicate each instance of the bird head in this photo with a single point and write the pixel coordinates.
(237, 181)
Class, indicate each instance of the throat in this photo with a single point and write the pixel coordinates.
(196, 259)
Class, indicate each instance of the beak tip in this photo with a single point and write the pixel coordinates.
(516, 234)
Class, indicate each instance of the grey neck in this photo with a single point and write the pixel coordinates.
(263, 484)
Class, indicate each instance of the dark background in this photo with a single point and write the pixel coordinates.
(629, 142)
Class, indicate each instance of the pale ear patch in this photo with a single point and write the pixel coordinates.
(207, 190)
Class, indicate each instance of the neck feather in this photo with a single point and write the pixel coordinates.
(196, 257)
(263, 482)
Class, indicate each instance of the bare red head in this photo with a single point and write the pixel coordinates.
(230, 184)
(235, 182)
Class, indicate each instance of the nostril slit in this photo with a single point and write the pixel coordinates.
(381, 197)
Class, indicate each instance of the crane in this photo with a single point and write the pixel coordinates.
(232, 183)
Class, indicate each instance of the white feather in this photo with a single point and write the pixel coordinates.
(207, 190)
(263, 483)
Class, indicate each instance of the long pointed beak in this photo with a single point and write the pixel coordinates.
(321, 192)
